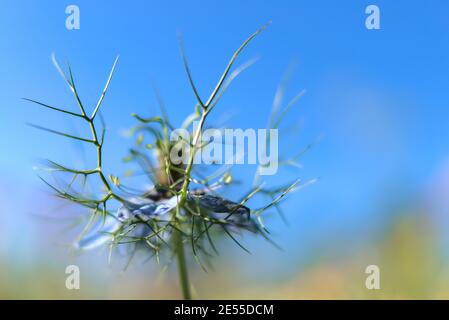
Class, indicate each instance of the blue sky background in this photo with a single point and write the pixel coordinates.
(378, 98)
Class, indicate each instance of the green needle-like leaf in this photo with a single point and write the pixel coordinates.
(189, 74)
(60, 133)
(231, 62)
(54, 108)
(97, 107)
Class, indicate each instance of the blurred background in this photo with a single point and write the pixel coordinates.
(376, 102)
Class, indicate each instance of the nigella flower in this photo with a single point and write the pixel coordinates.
(144, 209)
(99, 234)
(173, 216)
(218, 204)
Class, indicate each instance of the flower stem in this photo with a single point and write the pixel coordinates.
(182, 266)
(196, 138)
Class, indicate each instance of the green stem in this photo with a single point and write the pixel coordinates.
(196, 137)
(182, 266)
